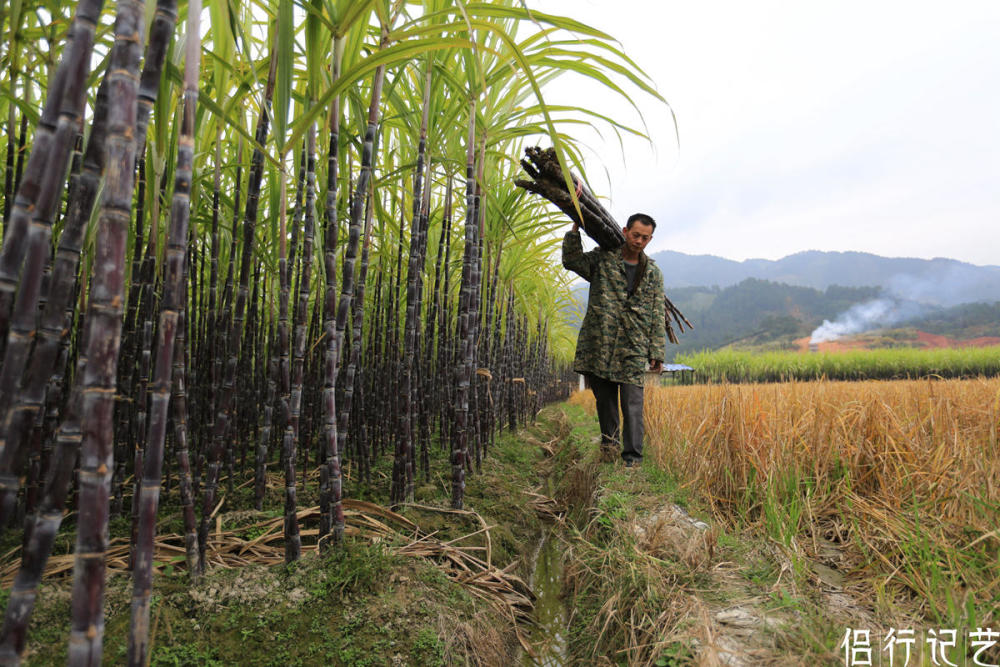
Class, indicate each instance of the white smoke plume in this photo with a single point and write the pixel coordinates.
(882, 312)
(908, 297)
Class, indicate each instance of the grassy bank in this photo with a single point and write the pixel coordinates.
(655, 579)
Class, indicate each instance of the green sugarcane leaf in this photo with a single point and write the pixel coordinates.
(383, 12)
(314, 9)
(223, 43)
(396, 54)
(346, 13)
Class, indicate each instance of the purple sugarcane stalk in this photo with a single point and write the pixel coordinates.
(28, 241)
(224, 407)
(179, 407)
(173, 304)
(38, 186)
(347, 289)
(459, 452)
(402, 477)
(328, 450)
(52, 329)
(104, 320)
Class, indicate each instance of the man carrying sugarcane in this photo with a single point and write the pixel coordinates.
(623, 330)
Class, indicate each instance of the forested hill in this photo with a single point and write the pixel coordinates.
(940, 281)
(758, 311)
(762, 312)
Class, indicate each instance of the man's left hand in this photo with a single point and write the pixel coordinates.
(655, 366)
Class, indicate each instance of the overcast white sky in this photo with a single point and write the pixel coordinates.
(849, 125)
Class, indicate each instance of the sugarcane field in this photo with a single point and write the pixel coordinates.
(330, 335)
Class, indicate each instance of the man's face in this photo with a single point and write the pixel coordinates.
(638, 235)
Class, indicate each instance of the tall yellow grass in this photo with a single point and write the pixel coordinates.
(903, 476)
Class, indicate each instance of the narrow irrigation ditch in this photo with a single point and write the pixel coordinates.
(629, 569)
(549, 634)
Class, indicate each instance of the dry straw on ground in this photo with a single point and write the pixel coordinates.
(233, 547)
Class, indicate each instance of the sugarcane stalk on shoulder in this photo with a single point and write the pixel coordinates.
(547, 181)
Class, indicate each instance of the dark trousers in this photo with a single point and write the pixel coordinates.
(608, 394)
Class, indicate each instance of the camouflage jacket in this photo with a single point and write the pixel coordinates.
(620, 331)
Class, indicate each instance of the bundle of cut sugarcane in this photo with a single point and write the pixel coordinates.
(547, 180)
(678, 316)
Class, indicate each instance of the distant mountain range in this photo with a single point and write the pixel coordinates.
(937, 281)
